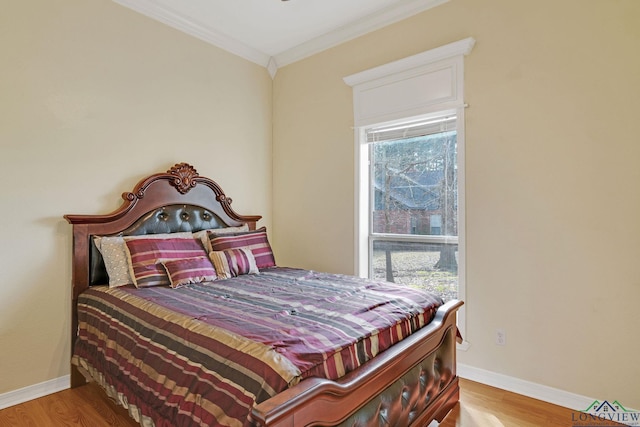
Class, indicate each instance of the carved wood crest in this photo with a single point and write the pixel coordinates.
(185, 175)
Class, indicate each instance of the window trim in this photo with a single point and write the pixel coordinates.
(408, 77)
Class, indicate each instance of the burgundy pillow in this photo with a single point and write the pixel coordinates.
(256, 241)
(189, 270)
(145, 256)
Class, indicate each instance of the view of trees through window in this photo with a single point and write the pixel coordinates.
(414, 211)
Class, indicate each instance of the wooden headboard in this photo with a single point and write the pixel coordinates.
(177, 200)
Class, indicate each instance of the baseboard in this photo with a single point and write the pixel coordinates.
(547, 394)
(551, 395)
(34, 391)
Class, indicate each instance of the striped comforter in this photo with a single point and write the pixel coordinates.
(205, 354)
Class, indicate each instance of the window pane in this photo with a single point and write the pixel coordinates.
(414, 185)
(414, 193)
(429, 266)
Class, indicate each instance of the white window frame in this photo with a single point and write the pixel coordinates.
(420, 85)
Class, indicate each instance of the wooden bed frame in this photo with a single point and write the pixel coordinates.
(410, 384)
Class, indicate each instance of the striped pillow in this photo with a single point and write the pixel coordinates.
(255, 240)
(114, 254)
(144, 256)
(203, 235)
(233, 262)
(189, 270)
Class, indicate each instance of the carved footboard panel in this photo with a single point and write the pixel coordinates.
(411, 384)
(405, 402)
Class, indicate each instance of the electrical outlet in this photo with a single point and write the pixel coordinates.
(501, 337)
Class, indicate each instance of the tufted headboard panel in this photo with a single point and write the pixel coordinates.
(177, 200)
(167, 219)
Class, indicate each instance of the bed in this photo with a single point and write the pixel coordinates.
(174, 355)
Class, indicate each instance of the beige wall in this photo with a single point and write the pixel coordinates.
(553, 206)
(93, 97)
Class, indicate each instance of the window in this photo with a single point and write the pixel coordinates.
(409, 172)
(413, 203)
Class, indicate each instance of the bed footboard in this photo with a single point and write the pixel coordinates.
(410, 384)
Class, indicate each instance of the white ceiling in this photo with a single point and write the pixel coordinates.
(274, 33)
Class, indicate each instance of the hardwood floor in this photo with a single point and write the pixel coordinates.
(479, 405)
(83, 406)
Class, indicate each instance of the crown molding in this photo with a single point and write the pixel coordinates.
(272, 67)
(355, 29)
(333, 38)
(189, 26)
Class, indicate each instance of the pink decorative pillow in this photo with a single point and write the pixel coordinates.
(204, 234)
(233, 262)
(145, 255)
(189, 270)
(256, 241)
